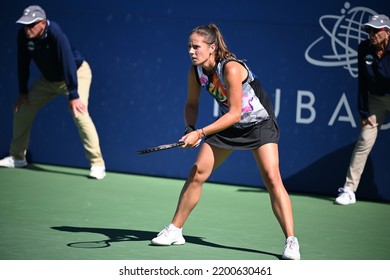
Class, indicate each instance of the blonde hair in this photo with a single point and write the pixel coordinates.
(212, 35)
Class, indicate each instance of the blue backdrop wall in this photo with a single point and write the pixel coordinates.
(303, 51)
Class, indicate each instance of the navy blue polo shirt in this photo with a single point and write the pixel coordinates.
(374, 75)
(54, 56)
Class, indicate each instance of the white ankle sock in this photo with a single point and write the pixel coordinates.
(172, 226)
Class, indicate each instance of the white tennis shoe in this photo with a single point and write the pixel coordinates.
(170, 235)
(346, 196)
(291, 249)
(11, 162)
(97, 172)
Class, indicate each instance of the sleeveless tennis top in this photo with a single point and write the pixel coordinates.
(252, 110)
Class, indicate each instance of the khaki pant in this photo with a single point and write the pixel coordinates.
(41, 92)
(379, 107)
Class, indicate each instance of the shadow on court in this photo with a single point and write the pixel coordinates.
(60, 170)
(125, 235)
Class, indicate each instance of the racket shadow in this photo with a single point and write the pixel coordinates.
(129, 235)
(113, 235)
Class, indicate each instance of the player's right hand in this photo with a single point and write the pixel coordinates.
(369, 121)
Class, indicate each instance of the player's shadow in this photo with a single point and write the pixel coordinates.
(35, 167)
(122, 235)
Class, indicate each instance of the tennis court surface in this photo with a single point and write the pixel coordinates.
(57, 213)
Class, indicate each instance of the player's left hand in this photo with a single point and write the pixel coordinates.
(191, 140)
(77, 107)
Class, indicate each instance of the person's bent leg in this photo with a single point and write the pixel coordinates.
(39, 94)
(363, 147)
(209, 158)
(90, 139)
(379, 107)
(84, 123)
(268, 162)
(267, 158)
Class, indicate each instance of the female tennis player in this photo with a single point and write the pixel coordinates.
(247, 122)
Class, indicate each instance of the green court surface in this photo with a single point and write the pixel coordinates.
(57, 213)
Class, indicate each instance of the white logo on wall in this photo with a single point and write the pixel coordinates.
(345, 33)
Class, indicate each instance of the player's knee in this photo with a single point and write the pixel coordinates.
(272, 180)
(197, 174)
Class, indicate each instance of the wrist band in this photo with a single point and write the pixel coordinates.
(204, 134)
(201, 133)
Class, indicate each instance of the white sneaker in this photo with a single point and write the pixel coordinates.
(97, 172)
(169, 236)
(346, 196)
(291, 249)
(11, 162)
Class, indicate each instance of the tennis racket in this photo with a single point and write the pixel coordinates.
(161, 147)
